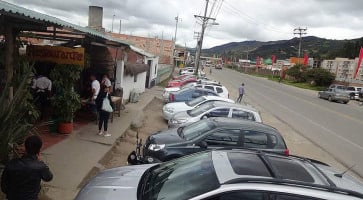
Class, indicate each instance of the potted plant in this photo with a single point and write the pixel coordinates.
(66, 101)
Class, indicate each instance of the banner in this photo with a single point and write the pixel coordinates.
(59, 55)
(306, 59)
(273, 58)
(359, 62)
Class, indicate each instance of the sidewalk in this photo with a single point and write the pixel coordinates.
(72, 159)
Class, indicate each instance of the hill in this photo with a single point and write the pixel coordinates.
(315, 47)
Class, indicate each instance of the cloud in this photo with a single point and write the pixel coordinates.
(238, 20)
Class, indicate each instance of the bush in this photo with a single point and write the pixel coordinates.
(298, 72)
(321, 77)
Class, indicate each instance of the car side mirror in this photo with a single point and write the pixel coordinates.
(202, 144)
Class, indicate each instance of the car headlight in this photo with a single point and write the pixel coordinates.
(169, 109)
(156, 147)
(178, 121)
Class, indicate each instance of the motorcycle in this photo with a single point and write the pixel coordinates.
(135, 157)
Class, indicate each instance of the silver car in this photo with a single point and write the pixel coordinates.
(214, 109)
(333, 94)
(225, 174)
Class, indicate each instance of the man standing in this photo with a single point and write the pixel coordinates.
(42, 87)
(95, 85)
(241, 91)
(21, 177)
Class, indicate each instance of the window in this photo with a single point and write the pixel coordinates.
(135, 78)
(241, 195)
(248, 164)
(212, 94)
(201, 109)
(209, 88)
(258, 140)
(290, 197)
(243, 115)
(219, 90)
(224, 137)
(155, 70)
(220, 112)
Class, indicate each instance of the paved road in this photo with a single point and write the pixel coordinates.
(337, 128)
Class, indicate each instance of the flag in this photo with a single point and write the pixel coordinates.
(306, 59)
(359, 62)
(273, 58)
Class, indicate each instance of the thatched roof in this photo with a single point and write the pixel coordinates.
(134, 68)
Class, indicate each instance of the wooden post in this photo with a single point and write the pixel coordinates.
(9, 57)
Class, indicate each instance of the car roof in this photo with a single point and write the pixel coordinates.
(253, 166)
(215, 98)
(233, 105)
(247, 124)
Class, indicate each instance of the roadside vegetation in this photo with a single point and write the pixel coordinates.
(299, 76)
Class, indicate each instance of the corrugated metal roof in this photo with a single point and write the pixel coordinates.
(11, 9)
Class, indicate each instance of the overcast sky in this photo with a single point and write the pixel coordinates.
(238, 20)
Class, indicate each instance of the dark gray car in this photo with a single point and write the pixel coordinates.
(334, 94)
(213, 133)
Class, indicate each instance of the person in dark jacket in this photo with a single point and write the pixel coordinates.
(21, 177)
(103, 115)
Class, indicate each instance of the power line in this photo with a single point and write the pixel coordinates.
(300, 31)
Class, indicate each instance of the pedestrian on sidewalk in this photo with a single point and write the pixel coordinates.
(22, 176)
(241, 91)
(104, 108)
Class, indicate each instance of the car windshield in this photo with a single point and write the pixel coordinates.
(182, 178)
(195, 102)
(182, 90)
(196, 129)
(201, 109)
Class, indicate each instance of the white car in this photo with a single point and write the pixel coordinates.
(214, 109)
(172, 108)
(217, 88)
(191, 71)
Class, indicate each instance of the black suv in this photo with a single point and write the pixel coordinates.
(213, 133)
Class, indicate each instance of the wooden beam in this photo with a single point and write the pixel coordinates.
(9, 56)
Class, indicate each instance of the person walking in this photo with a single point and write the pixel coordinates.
(104, 108)
(21, 177)
(241, 91)
(42, 87)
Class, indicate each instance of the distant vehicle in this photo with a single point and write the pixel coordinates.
(225, 174)
(214, 109)
(180, 77)
(172, 108)
(337, 87)
(213, 133)
(167, 91)
(188, 94)
(179, 83)
(354, 92)
(219, 67)
(191, 71)
(334, 94)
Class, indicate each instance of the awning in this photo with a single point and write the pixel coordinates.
(134, 69)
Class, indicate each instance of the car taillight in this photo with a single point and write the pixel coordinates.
(287, 152)
(172, 97)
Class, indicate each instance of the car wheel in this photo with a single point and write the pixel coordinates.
(345, 102)
(330, 98)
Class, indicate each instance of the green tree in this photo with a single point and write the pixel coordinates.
(321, 77)
(298, 72)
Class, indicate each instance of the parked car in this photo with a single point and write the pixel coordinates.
(188, 94)
(218, 88)
(225, 174)
(334, 94)
(171, 108)
(214, 109)
(361, 96)
(354, 92)
(191, 71)
(213, 133)
(179, 83)
(180, 77)
(169, 90)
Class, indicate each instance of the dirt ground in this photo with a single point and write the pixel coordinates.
(152, 122)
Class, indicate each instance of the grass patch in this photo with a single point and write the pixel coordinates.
(297, 84)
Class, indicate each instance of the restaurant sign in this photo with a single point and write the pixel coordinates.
(59, 55)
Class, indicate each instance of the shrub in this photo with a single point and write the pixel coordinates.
(321, 77)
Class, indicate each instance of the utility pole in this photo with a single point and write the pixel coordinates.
(205, 20)
(119, 32)
(174, 60)
(299, 31)
(113, 18)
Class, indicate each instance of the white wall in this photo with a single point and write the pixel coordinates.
(153, 68)
(128, 84)
(119, 74)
